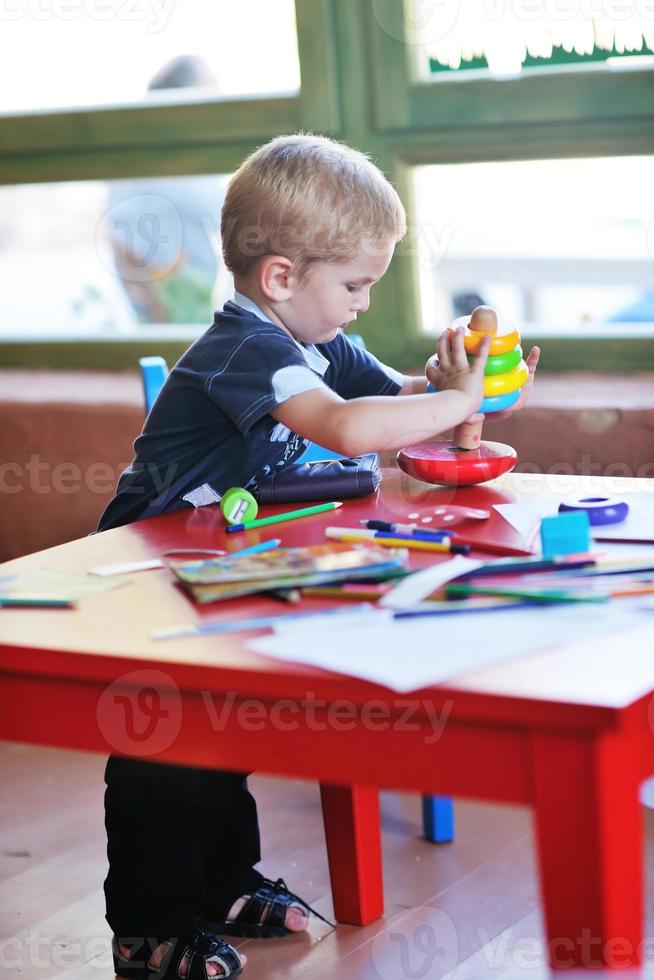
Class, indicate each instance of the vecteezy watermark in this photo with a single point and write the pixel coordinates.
(564, 479)
(146, 235)
(424, 943)
(425, 22)
(421, 944)
(42, 477)
(314, 714)
(417, 21)
(32, 950)
(427, 243)
(153, 14)
(140, 713)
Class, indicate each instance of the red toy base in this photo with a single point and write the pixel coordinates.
(442, 462)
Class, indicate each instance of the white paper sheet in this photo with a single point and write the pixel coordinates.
(525, 517)
(126, 567)
(414, 588)
(638, 524)
(408, 654)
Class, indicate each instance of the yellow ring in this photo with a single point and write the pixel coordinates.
(501, 343)
(503, 384)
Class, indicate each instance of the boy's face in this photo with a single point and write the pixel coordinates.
(333, 294)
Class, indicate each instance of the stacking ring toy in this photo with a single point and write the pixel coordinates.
(501, 343)
(501, 363)
(238, 505)
(443, 462)
(498, 403)
(504, 384)
(600, 510)
(467, 460)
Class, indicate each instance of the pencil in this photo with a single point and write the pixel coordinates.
(289, 515)
(454, 589)
(414, 544)
(368, 593)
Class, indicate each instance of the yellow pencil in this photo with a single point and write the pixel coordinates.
(415, 545)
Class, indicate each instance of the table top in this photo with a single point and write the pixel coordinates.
(109, 633)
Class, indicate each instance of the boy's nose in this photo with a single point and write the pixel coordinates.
(362, 304)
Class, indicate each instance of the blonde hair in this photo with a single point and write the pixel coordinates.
(309, 198)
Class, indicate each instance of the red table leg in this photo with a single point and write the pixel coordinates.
(590, 846)
(353, 834)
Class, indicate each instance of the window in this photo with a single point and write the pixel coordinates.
(508, 38)
(89, 258)
(118, 50)
(558, 246)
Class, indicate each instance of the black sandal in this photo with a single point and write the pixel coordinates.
(264, 912)
(200, 944)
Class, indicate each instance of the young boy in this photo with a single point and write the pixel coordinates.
(308, 226)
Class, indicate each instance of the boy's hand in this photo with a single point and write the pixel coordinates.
(431, 369)
(449, 368)
(531, 363)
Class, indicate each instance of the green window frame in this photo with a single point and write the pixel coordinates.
(359, 83)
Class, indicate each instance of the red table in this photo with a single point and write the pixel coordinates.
(568, 732)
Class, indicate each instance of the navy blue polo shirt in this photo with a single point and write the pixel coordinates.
(211, 428)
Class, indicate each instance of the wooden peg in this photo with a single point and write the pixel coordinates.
(467, 435)
(483, 320)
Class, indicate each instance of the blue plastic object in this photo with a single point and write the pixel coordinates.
(438, 819)
(565, 534)
(494, 403)
(600, 510)
(498, 403)
(154, 372)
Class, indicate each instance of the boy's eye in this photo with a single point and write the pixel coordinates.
(353, 289)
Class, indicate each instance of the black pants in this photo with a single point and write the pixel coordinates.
(181, 842)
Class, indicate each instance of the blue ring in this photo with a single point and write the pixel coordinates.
(494, 403)
(601, 510)
(497, 403)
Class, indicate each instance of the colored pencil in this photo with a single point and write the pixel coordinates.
(256, 549)
(37, 603)
(210, 627)
(529, 565)
(416, 529)
(397, 541)
(289, 515)
(545, 596)
(364, 592)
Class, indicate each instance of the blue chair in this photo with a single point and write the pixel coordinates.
(437, 811)
(154, 372)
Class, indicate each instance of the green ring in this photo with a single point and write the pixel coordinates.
(501, 363)
(238, 506)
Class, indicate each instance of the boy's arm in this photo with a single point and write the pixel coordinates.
(372, 424)
(413, 385)
(375, 423)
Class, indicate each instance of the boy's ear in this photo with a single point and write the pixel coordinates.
(276, 278)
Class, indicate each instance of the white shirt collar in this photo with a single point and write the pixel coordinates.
(316, 361)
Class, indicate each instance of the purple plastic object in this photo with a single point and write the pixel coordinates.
(600, 510)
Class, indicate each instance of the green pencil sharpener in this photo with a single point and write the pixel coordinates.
(238, 506)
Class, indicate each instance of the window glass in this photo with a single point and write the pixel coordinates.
(95, 257)
(555, 245)
(69, 53)
(515, 36)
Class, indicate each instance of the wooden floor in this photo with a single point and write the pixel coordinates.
(465, 910)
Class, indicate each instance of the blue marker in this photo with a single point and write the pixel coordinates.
(431, 534)
(256, 549)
